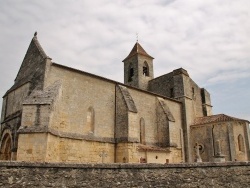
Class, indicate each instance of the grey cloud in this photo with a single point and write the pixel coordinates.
(209, 38)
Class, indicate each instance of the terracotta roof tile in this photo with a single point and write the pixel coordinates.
(137, 49)
(215, 118)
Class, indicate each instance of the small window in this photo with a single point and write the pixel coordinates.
(193, 93)
(172, 92)
(90, 120)
(130, 73)
(142, 131)
(241, 143)
(145, 71)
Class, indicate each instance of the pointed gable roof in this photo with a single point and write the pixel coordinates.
(35, 50)
(137, 49)
(33, 64)
(215, 118)
(39, 47)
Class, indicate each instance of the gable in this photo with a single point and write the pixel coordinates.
(33, 56)
(33, 66)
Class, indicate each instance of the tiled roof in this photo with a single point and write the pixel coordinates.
(137, 49)
(215, 118)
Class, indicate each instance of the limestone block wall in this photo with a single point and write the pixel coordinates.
(36, 115)
(176, 155)
(3, 109)
(162, 85)
(247, 138)
(194, 91)
(11, 115)
(121, 121)
(15, 98)
(227, 133)
(127, 153)
(203, 136)
(79, 151)
(146, 107)
(134, 127)
(163, 123)
(220, 133)
(241, 149)
(156, 157)
(175, 128)
(80, 92)
(206, 102)
(221, 175)
(33, 147)
(29, 115)
(188, 119)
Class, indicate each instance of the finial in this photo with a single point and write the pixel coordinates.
(136, 37)
(35, 34)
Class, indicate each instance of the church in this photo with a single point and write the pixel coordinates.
(55, 113)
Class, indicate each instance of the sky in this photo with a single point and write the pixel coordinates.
(208, 38)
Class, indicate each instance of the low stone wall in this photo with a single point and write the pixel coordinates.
(21, 174)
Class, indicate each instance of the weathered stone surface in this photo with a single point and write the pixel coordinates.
(55, 113)
(20, 174)
(127, 99)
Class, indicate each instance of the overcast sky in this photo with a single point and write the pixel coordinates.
(208, 38)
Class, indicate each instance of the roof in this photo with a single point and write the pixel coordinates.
(215, 118)
(137, 49)
(39, 47)
(34, 57)
(113, 81)
(46, 96)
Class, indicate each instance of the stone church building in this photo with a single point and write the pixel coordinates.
(55, 113)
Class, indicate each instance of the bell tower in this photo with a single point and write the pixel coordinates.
(138, 68)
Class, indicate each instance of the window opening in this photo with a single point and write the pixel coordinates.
(131, 73)
(142, 131)
(172, 92)
(145, 69)
(193, 94)
(241, 143)
(90, 119)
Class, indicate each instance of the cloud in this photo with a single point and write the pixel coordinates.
(209, 38)
(229, 77)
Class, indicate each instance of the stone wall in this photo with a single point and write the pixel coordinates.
(227, 133)
(20, 174)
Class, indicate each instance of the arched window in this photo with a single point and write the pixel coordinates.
(90, 126)
(145, 69)
(142, 131)
(241, 143)
(130, 73)
(5, 150)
